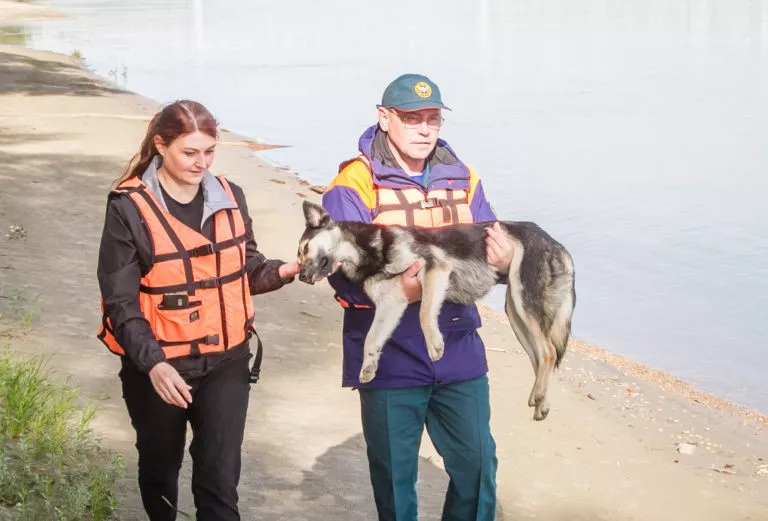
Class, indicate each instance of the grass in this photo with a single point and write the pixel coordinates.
(28, 312)
(50, 465)
(21, 307)
(14, 35)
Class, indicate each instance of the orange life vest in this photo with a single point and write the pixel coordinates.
(414, 207)
(196, 296)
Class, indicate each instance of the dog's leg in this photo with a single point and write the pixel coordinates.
(539, 348)
(434, 286)
(546, 367)
(390, 301)
(524, 336)
(520, 332)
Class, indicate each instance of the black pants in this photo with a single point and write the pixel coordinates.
(217, 416)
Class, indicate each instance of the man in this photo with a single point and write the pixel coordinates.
(406, 175)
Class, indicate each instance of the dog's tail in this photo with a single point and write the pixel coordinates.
(566, 297)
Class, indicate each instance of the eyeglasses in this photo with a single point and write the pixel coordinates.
(412, 120)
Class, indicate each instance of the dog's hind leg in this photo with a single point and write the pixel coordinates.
(390, 301)
(538, 396)
(434, 286)
(520, 332)
(538, 347)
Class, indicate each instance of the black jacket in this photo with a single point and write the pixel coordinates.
(126, 254)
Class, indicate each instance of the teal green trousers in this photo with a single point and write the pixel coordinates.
(457, 417)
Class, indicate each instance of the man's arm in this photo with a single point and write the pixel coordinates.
(478, 203)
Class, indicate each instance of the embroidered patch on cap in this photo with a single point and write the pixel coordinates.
(422, 89)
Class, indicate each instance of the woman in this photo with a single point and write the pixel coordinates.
(177, 266)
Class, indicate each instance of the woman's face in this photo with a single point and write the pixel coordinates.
(187, 157)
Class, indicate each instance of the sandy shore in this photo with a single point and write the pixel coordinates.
(609, 449)
(12, 12)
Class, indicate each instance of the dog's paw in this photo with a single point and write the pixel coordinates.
(435, 346)
(368, 372)
(436, 353)
(541, 411)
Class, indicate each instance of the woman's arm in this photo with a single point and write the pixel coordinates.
(119, 272)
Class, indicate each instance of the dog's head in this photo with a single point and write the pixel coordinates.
(319, 245)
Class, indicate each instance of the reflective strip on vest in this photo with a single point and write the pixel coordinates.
(208, 277)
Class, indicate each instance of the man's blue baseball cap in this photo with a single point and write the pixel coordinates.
(412, 92)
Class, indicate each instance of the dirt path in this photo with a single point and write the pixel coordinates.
(608, 450)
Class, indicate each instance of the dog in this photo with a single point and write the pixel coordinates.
(540, 296)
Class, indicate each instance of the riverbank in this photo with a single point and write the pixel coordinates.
(610, 449)
(13, 12)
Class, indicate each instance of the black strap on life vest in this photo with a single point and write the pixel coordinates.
(214, 282)
(106, 328)
(194, 349)
(450, 210)
(243, 290)
(256, 368)
(222, 308)
(201, 251)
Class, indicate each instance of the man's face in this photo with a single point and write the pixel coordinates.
(413, 133)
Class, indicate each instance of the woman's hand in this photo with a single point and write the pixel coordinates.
(289, 270)
(170, 386)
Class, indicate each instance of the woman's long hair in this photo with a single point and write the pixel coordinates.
(174, 120)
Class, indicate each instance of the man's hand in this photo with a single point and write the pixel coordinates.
(411, 283)
(169, 385)
(499, 248)
(289, 270)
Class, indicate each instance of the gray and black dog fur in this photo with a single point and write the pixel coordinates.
(540, 294)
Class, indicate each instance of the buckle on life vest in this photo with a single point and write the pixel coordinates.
(429, 203)
(200, 251)
(210, 283)
(210, 340)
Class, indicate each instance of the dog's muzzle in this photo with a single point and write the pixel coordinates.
(303, 277)
(311, 271)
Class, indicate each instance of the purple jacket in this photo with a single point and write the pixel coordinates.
(404, 360)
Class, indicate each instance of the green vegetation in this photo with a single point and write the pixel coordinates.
(50, 465)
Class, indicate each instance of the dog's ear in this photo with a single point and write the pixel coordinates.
(315, 215)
